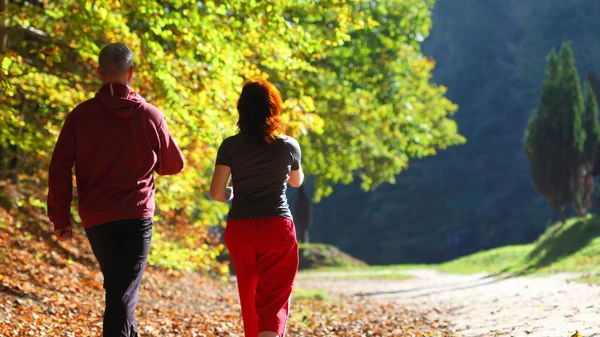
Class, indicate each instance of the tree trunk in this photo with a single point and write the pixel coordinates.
(304, 235)
(3, 50)
(561, 213)
(3, 26)
(303, 216)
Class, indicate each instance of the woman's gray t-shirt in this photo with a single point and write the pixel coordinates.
(260, 173)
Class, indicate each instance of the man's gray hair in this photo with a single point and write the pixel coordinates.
(115, 59)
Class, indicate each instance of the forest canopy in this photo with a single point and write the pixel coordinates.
(356, 86)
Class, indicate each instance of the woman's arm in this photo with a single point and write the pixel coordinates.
(218, 186)
(296, 177)
(296, 173)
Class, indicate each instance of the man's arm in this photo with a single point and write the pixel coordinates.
(170, 158)
(60, 178)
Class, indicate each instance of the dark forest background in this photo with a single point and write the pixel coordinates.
(491, 55)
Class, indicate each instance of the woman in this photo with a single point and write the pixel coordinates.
(260, 233)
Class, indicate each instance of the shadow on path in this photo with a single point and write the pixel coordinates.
(438, 289)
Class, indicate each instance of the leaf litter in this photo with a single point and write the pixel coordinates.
(49, 288)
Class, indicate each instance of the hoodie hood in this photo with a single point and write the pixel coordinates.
(120, 99)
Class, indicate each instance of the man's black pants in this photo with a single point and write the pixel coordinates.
(121, 247)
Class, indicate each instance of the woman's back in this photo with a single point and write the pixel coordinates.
(260, 232)
(259, 173)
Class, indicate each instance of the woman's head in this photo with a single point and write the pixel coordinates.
(259, 109)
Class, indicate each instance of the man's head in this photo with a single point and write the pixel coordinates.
(115, 64)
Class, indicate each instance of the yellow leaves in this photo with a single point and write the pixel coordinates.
(5, 65)
(192, 62)
(576, 334)
(248, 52)
(299, 117)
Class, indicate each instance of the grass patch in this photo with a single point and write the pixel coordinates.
(319, 255)
(314, 294)
(368, 268)
(589, 278)
(503, 259)
(570, 247)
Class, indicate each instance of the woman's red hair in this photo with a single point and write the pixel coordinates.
(259, 109)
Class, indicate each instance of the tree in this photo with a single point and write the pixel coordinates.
(585, 178)
(3, 25)
(380, 101)
(3, 49)
(355, 83)
(555, 136)
(491, 55)
(594, 83)
(303, 214)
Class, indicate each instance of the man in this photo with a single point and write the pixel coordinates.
(115, 140)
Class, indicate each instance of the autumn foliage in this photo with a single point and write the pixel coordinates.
(356, 94)
(354, 82)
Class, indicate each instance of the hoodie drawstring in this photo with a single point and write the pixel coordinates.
(112, 92)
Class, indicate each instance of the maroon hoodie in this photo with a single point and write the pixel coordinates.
(115, 140)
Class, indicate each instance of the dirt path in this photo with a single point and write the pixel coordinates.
(480, 305)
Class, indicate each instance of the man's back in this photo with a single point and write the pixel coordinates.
(116, 140)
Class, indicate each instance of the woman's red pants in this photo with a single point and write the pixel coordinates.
(264, 252)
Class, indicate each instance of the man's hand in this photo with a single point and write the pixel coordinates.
(63, 234)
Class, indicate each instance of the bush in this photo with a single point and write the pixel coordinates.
(318, 255)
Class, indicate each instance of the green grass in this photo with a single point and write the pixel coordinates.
(570, 247)
(589, 278)
(503, 259)
(367, 268)
(314, 294)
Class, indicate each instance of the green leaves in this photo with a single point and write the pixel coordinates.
(555, 139)
(590, 121)
(374, 94)
(354, 81)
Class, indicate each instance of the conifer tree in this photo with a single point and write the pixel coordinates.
(555, 137)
